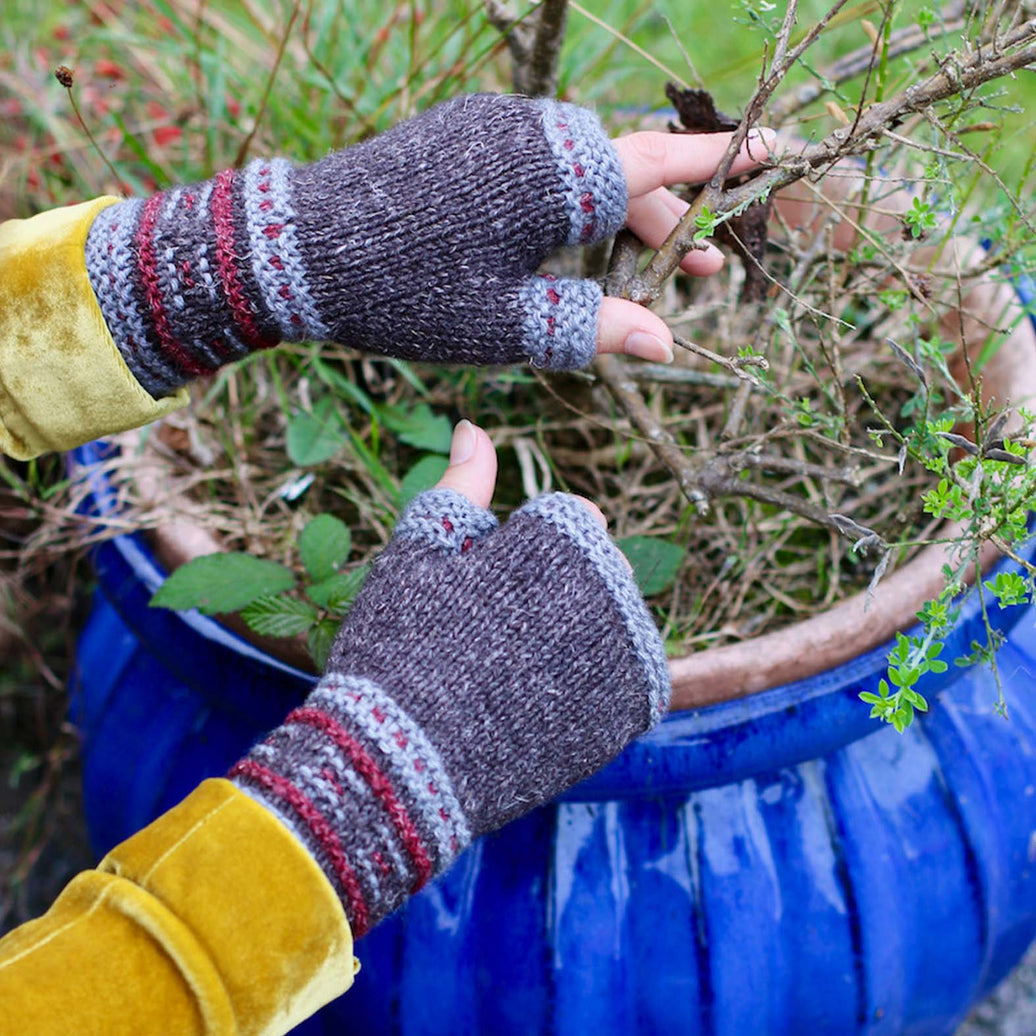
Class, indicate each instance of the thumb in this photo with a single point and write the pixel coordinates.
(472, 470)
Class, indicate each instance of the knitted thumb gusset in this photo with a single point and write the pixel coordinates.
(421, 243)
(481, 672)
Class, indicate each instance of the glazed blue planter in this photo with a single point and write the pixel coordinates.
(774, 864)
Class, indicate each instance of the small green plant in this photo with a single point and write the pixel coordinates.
(274, 603)
(988, 488)
(909, 660)
(920, 219)
(267, 593)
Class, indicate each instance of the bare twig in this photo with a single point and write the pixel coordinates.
(246, 144)
(537, 76)
(958, 74)
(737, 365)
(901, 41)
(63, 74)
(516, 33)
(664, 375)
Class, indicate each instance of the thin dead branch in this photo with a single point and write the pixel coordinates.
(849, 66)
(959, 74)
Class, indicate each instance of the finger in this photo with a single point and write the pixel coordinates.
(602, 521)
(593, 509)
(472, 470)
(625, 327)
(652, 218)
(651, 160)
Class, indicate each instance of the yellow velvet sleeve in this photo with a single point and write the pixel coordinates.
(62, 379)
(213, 919)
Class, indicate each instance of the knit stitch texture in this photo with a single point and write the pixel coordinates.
(481, 671)
(422, 243)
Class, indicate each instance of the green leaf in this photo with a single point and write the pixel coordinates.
(219, 583)
(315, 436)
(914, 698)
(423, 475)
(324, 545)
(279, 616)
(321, 637)
(871, 699)
(418, 426)
(338, 592)
(655, 562)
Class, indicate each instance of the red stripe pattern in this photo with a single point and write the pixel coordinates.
(368, 769)
(226, 263)
(147, 263)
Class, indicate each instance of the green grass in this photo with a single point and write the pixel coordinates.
(173, 88)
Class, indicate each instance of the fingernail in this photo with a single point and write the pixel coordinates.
(648, 347)
(462, 447)
(765, 134)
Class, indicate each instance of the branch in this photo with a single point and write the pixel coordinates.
(902, 41)
(242, 151)
(612, 372)
(516, 34)
(956, 76)
(537, 74)
(736, 365)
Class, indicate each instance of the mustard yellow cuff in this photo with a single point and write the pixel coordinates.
(256, 901)
(213, 919)
(63, 382)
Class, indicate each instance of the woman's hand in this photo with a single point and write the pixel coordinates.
(481, 671)
(652, 163)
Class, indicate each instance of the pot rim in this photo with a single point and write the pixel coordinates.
(717, 743)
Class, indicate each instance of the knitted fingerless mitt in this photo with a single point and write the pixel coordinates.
(480, 672)
(421, 243)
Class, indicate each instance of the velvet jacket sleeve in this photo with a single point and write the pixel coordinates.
(62, 379)
(212, 920)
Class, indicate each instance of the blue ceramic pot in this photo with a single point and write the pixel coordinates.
(774, 864)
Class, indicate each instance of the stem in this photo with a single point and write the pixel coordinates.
(856, 62)
(952, 79)
(242, 152)
(538, 76)
(97, 147)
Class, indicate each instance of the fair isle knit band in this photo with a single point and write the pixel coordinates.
(172, 286)
(594, 183)
(365, 790)
(277, 262)
(560, 321)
